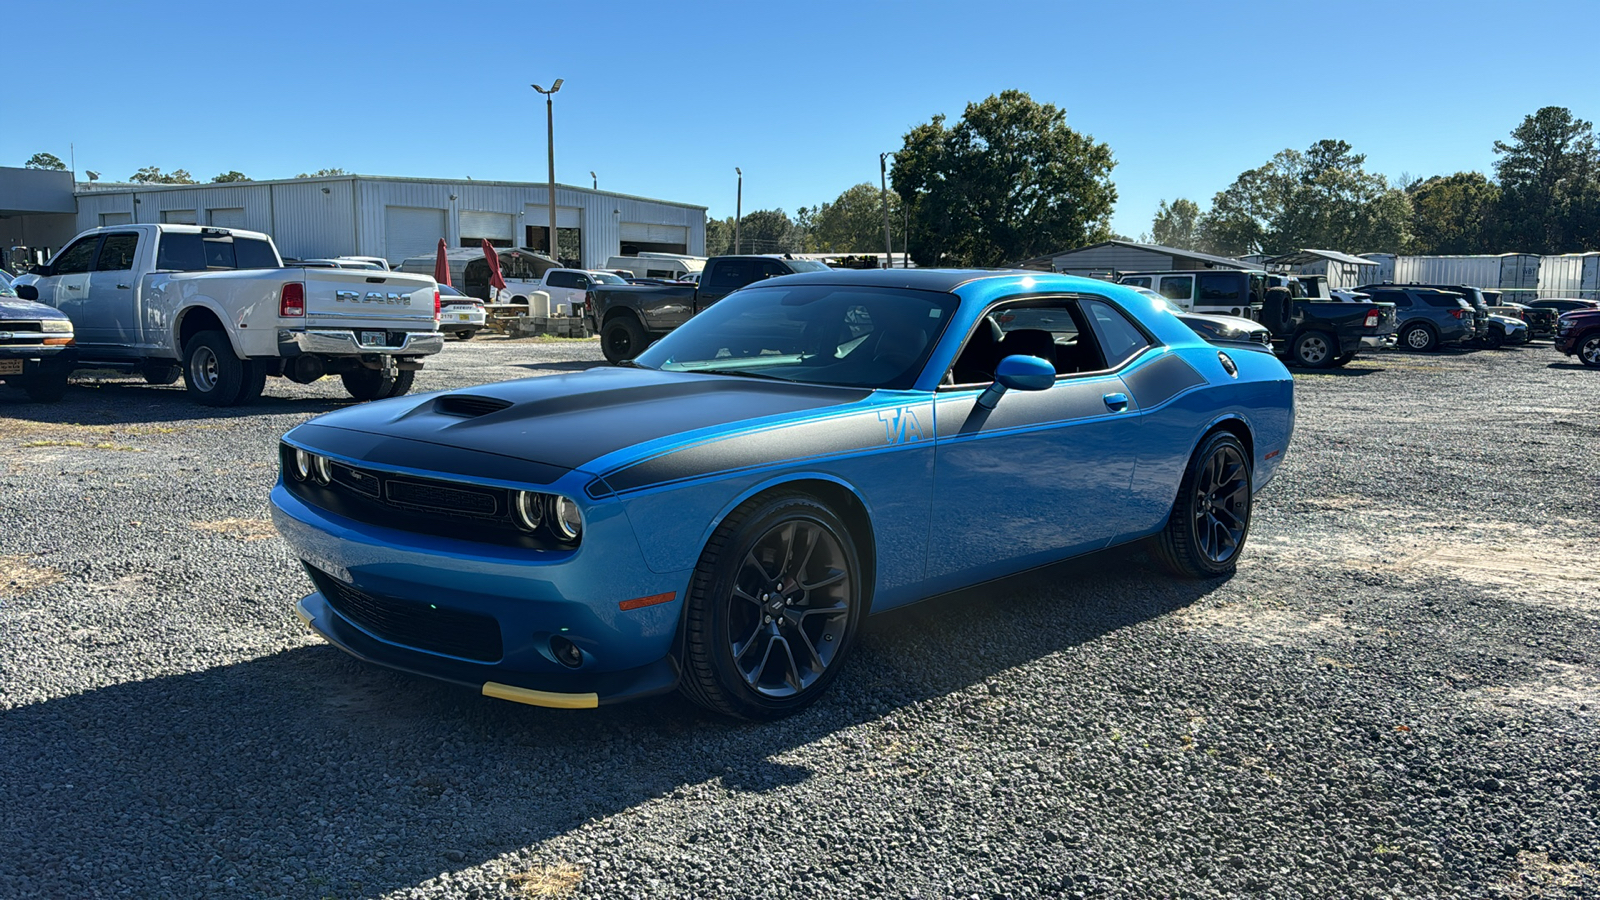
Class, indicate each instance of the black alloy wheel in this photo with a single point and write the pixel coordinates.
(773, 610)
(1210, 519)
(621, 338)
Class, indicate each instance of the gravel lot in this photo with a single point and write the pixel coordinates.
(1397, 695)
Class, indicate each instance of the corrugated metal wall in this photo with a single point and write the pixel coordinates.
(1570, 275)
(1113, 259)
(1472, 271)
(344, 216)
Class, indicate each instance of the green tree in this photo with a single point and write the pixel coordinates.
(1241, 215)
(45, 161)
(1453, 214)
(1008, 182)
(230, 177)
(153, 175)
(719, 236)
(853, 223)
(1549, 184)
(1177, 225)
(321, 173)
(767, 231)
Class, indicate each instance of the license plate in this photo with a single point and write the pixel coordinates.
(10, 367)
(462, 317)
(373, 339)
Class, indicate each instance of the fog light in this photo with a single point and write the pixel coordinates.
(302, 465)
(322, 467)
(529, 509)
(567, 521)
(566, 652)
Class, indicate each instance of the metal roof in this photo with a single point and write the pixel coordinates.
(1301, 257)
(1208, 259)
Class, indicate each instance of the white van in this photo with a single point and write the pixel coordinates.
(666, 266)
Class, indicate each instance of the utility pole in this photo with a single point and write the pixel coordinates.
(550, 124)
(905, 236)
(883, 190)
(738, 210)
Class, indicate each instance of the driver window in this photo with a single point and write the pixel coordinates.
(76, 259)
(1052, 330)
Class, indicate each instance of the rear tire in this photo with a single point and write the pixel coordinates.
(621, 338)
(1314, 349)
(465, 335)
(402, 383)
(1210, 520)
(1419, 337)
(773, 609)
(1343, 360)
(255, 381)
(213, 375)
(372, 384)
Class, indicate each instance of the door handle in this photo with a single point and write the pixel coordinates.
(123, 287)
(1116, 402)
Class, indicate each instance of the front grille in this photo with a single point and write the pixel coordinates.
(21, 326)
(435, 497)
(423, 626)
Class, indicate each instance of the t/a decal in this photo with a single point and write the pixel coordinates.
(900, 425)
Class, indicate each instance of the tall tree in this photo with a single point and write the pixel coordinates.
(1241, 215)
(1549, 184)
(853, 222)
(767, 231)
(1453, 214)
(153, 175)
(45, 161)
(1177, 225)
(719, 236)
(1008, 182)
(230, 177)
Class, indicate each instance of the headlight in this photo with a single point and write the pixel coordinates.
(322, 467)
(302, 465)
(529, 510)
(56, 325)
(567, 521)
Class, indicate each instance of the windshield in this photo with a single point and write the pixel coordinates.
(817, 334)
(606, 278)
(806, 265)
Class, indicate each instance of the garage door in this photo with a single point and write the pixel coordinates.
(228, 217)
(409, 231)
(655, 234)
(116, 219)
(475, 226)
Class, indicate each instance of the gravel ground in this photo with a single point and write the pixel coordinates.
(1397, 695)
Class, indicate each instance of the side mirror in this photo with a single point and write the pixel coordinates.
(1020, 373)
(27, 292)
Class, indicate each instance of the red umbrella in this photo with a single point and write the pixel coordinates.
(495, 279)
(441, 266)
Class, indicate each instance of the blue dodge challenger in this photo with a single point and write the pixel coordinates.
(719, 515)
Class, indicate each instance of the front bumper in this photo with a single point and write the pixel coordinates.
(337, 342)
(33, 350)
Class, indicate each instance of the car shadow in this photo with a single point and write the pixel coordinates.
(1340, 372)
(310, 769)
(135, 403)
(1568, 365)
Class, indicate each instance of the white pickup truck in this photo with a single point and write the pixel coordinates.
(217, 306)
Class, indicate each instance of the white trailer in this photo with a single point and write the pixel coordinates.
(1505, 271)
(1575, 275)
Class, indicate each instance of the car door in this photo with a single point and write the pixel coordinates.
(67, 289)
(113, 296)
(1042, 475)
(1179, 289)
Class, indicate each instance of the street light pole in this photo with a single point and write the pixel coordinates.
(550, 125)
(738, 210)
(883, 179)
(596, 180)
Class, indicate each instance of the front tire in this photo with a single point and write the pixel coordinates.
(1589, 351)
(1210, 520)
(1420, 338)
(213, 375)
(621, 338)
(1314, 349)
(773, 609)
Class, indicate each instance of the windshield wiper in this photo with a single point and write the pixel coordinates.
(742, 373)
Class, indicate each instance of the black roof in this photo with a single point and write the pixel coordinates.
(945, 280)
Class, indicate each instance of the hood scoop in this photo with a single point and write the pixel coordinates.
(469, 406)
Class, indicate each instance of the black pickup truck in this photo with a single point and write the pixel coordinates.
(1321, 333)
(628, 317)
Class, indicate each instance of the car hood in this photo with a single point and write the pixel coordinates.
(14, 309)
(572, 420)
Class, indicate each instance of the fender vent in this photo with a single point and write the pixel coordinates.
(468, 406)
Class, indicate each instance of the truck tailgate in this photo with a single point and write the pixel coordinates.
(367, 298)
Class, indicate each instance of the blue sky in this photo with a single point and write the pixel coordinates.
(665, 100)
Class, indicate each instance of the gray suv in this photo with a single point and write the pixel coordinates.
(1428, 319)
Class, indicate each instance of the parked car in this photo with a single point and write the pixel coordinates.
(1489, 329)
(215, 306)
(721, 515)
(665, 266)
(567, 287)
(1320, 332)
(35, 346)
(628, 317)
(1234, 332)
(1578, 334)
(1541, 322)
(1427, 318)
(459, 314)
(1561, 305)
(1216, 292)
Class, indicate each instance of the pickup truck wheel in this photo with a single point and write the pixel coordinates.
(1419, 337)
(1589, 351)
(773, 609)
(621, 338)
(161, 374)
(377, 384)
(214, 376)
(1314, 349)
(254, 382)
(45, 384)
(1210, 520)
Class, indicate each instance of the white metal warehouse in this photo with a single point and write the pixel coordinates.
(396, 218)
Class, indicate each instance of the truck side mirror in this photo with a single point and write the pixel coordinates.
(27, 292)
